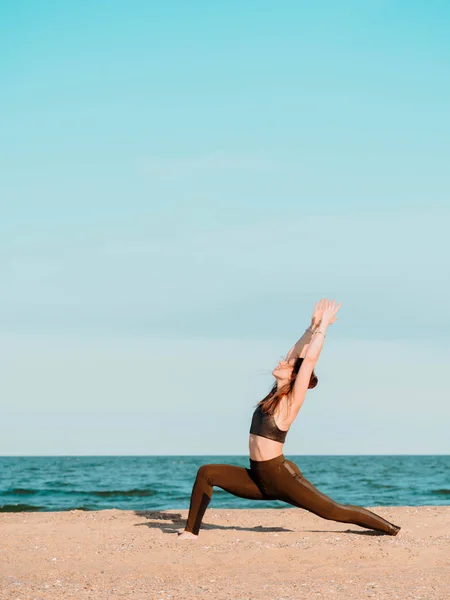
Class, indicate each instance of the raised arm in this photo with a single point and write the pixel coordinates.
(328, 317)
(299, 346)
(315, 347)
(303, 378)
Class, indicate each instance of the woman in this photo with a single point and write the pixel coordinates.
(271, 476)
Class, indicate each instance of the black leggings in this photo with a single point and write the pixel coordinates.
(275, 479)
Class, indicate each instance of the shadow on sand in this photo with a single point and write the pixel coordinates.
(172, 522)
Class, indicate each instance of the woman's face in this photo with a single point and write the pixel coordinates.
(283, 370)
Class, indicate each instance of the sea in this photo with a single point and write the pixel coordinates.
(59, 483)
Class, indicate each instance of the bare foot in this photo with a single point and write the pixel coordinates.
(187, 535)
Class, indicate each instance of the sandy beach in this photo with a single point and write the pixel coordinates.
(239, 554)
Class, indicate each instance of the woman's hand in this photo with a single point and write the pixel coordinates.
(317, 314)
(329, 311)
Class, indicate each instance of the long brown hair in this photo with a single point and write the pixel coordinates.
(273, 398)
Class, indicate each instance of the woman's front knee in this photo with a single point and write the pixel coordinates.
(205, 472)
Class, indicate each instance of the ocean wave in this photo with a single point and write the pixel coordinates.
(19, 492)
(128, 493)
(19, 507)
(99, 493)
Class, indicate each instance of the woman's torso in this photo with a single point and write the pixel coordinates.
(261, 448)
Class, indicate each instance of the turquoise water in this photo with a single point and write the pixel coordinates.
(57, 483)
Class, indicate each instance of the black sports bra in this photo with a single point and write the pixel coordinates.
(265, 426)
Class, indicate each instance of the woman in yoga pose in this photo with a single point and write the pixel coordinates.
(271, 476)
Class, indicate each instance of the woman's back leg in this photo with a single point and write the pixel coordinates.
(300, 492)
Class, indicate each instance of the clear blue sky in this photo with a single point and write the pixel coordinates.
(181, 181)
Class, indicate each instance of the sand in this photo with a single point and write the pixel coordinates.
(278, 554)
